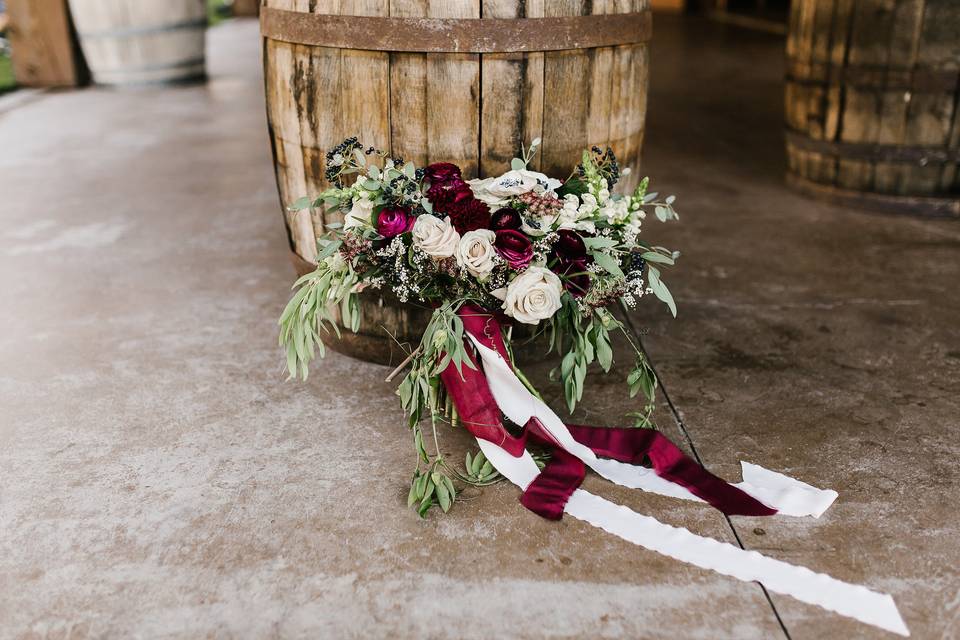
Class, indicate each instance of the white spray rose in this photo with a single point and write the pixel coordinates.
(360, 213)
(435, 237)
(475, 252)
(532, 296)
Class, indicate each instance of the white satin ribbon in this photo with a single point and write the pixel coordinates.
(781, 492)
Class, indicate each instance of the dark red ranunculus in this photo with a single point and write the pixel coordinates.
(570, 260)
(569, 246)
(394, 221)
(505, 218)
(514, 247)
(574, 276)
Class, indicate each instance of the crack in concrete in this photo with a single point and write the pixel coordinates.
(696, 455)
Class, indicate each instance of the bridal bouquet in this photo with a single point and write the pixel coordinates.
(555, 256)
(522, 247)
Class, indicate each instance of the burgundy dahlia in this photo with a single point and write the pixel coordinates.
(506, 218)
(451, 196)
(514, 247)
(443, 173)
(469, 215)
(394, 221)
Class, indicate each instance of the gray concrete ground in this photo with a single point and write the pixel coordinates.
(161, 480)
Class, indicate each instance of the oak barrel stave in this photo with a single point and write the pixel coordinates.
(872, 94)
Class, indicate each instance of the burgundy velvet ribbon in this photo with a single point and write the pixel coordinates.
(548, 493)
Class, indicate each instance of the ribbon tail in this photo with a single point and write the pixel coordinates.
(787, 495)
(853, 601)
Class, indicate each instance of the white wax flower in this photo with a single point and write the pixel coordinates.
(532, 296)
(435, 237)
(475, 252)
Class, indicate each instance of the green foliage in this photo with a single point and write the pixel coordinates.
(7, 80)
(309, 310)
(217, 11)
(581, 341)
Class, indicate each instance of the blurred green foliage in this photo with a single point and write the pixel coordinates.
(6, 73)
(218, 11)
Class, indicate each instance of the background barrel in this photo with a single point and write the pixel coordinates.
(131, 42)
(472, 109)
(872, 103)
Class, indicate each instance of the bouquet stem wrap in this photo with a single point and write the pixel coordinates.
(481, 393)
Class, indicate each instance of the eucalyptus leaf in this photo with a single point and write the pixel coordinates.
(653, 256)
(608, 263)
(599, 242)
(300, 203)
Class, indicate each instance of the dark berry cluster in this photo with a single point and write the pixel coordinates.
(345, 149)
(605, 160)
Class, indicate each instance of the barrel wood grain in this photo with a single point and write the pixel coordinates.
(408, 103)
(44, 51)
(453, 95)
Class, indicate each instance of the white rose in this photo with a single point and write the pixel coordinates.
(532, 296)
(435, 237)
(359, 214)
(475, 252)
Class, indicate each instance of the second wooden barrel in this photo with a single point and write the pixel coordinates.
(462, 81)
(134, 42)
(872, 103)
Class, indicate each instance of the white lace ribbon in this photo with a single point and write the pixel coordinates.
(781, 492)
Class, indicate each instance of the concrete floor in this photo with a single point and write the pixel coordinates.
(159, 479)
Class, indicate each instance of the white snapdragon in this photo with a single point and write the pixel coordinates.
(616, 211)
(532, 296)
(435, 237)
(475, 252)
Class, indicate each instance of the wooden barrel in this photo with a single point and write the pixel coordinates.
(246, 8)
(462, 81)
(134, 42)
(872, 103)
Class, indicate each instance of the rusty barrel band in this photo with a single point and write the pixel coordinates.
(926, 79)
(872, 152)
(455, 35)
(929, 206)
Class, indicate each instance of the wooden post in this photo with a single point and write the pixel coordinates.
(243, 8)
(44, 50)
